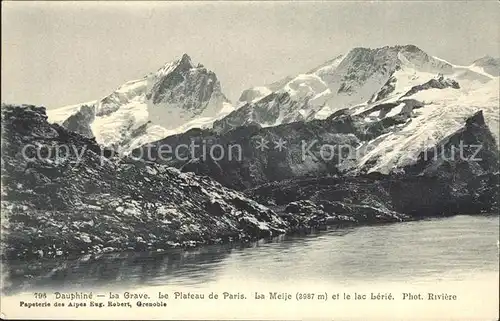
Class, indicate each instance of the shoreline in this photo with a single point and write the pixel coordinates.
(42, 273)
(72, 254)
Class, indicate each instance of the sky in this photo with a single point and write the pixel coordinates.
(61, 53)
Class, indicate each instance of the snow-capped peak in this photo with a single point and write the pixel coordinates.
(182, 63)
(488, 64)
(360, 77)
(178, 96)
(486, 60)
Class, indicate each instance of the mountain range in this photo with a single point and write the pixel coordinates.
(357, 80)
(182, 95)
(92, 201)
(403, 112)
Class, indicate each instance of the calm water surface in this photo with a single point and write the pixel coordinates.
(438, 249)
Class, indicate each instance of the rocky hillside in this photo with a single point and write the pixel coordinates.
(444, 181)
(459, 175)
(84, 200)
(373, 198)
(178, 96)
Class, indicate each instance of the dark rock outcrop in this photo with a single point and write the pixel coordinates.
(81, 121)
(303, 215)
(178, 86)
(386, 89)
(370, 199)
(439, 83)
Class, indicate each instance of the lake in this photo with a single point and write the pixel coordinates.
(457, 256)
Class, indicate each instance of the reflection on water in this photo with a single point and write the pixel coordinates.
(451, 248)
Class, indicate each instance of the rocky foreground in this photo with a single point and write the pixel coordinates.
(58, 206)
(88, 201)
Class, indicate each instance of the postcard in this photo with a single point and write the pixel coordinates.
(252, 160)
